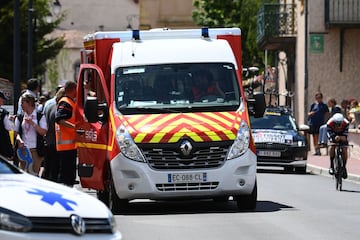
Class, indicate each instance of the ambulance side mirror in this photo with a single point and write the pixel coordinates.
(90, 109)
(95, 111)
(256, 104)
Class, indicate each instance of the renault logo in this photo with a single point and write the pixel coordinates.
(78, 224)
(185, 147)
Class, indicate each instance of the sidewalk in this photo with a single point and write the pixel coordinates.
(320, 165)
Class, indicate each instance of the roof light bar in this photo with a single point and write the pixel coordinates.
(205, 32)
(136, 34)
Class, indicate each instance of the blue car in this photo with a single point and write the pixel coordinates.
(279, 141)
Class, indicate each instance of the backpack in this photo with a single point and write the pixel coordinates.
(40, 141)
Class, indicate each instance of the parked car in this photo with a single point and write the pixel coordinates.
(279, 141)
(34, 208)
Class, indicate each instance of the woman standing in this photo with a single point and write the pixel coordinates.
(27, 127)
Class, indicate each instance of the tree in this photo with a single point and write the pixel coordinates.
(44, 48)
(234, 13)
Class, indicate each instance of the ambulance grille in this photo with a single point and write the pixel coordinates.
(174, 187)
(210, 157)
(63, 225)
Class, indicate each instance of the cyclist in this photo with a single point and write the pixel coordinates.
(338, 129)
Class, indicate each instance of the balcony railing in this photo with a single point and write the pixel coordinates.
(276, 21)
(345, 13)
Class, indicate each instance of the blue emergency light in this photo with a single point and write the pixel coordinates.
(205, 32)
(136, 34)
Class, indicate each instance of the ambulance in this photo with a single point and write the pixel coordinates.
(161, 114)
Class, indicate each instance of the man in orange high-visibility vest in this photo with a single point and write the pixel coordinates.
(65, 134)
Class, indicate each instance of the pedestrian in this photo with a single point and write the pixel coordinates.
(41, 102)
(51, 161)
(65, 134)
(345, 108)
(30, 127)
(6, 125)
(354, 113)
(33, 89)
(316, 117)
(333, 108)
(52, 100)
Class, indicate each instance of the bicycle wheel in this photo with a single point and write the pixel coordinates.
(338, 171)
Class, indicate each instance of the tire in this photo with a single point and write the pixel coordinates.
(116, 205)
(247, 202)
(338, 172)
(103, 196)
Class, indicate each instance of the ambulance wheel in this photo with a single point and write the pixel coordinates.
(247, 202)
(116, 204)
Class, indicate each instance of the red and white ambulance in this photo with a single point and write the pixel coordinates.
(162, 114)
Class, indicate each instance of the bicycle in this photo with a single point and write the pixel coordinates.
(339, 165)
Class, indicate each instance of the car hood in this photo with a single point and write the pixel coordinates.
(273, 136)
(34, 197)
(169, 128)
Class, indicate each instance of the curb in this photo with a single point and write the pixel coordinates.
(313, 169)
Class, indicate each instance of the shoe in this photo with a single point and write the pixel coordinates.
(331, 171)
(317, 153)
(344, 175)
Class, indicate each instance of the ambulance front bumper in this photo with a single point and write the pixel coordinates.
(137, 180)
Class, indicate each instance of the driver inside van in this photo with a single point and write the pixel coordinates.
(204, 85)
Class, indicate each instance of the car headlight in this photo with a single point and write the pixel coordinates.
(127, 145)
(12, 221)
(241, 142)
(300, 143)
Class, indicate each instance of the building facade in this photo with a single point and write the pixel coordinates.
(323, 52)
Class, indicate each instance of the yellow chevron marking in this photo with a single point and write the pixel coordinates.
(140, 137)
(230, 134)
(157, 137)
(213, 136)
(219, 118)
(144, 121)
(176, 137)
(152, 126)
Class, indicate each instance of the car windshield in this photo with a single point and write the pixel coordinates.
(275, 121)
(177, 88)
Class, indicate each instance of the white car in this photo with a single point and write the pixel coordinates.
(33, 208)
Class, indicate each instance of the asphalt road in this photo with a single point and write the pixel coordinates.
(290, 206)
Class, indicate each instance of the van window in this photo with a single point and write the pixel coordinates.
(177, 87)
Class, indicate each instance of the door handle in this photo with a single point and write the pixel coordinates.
(80, 131)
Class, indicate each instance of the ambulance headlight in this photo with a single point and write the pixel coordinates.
(12, 221)
(127, 145)
(241, 142)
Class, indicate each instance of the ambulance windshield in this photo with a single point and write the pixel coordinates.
(177, 87)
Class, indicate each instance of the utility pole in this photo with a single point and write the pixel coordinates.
(17, 56)
(30, 41)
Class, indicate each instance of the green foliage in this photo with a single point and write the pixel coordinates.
(52, 73)
(44, 48)
(233, 13)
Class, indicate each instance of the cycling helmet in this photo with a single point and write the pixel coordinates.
(338, 119)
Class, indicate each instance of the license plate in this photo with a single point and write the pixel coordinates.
(269, 154)
(186, 177)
